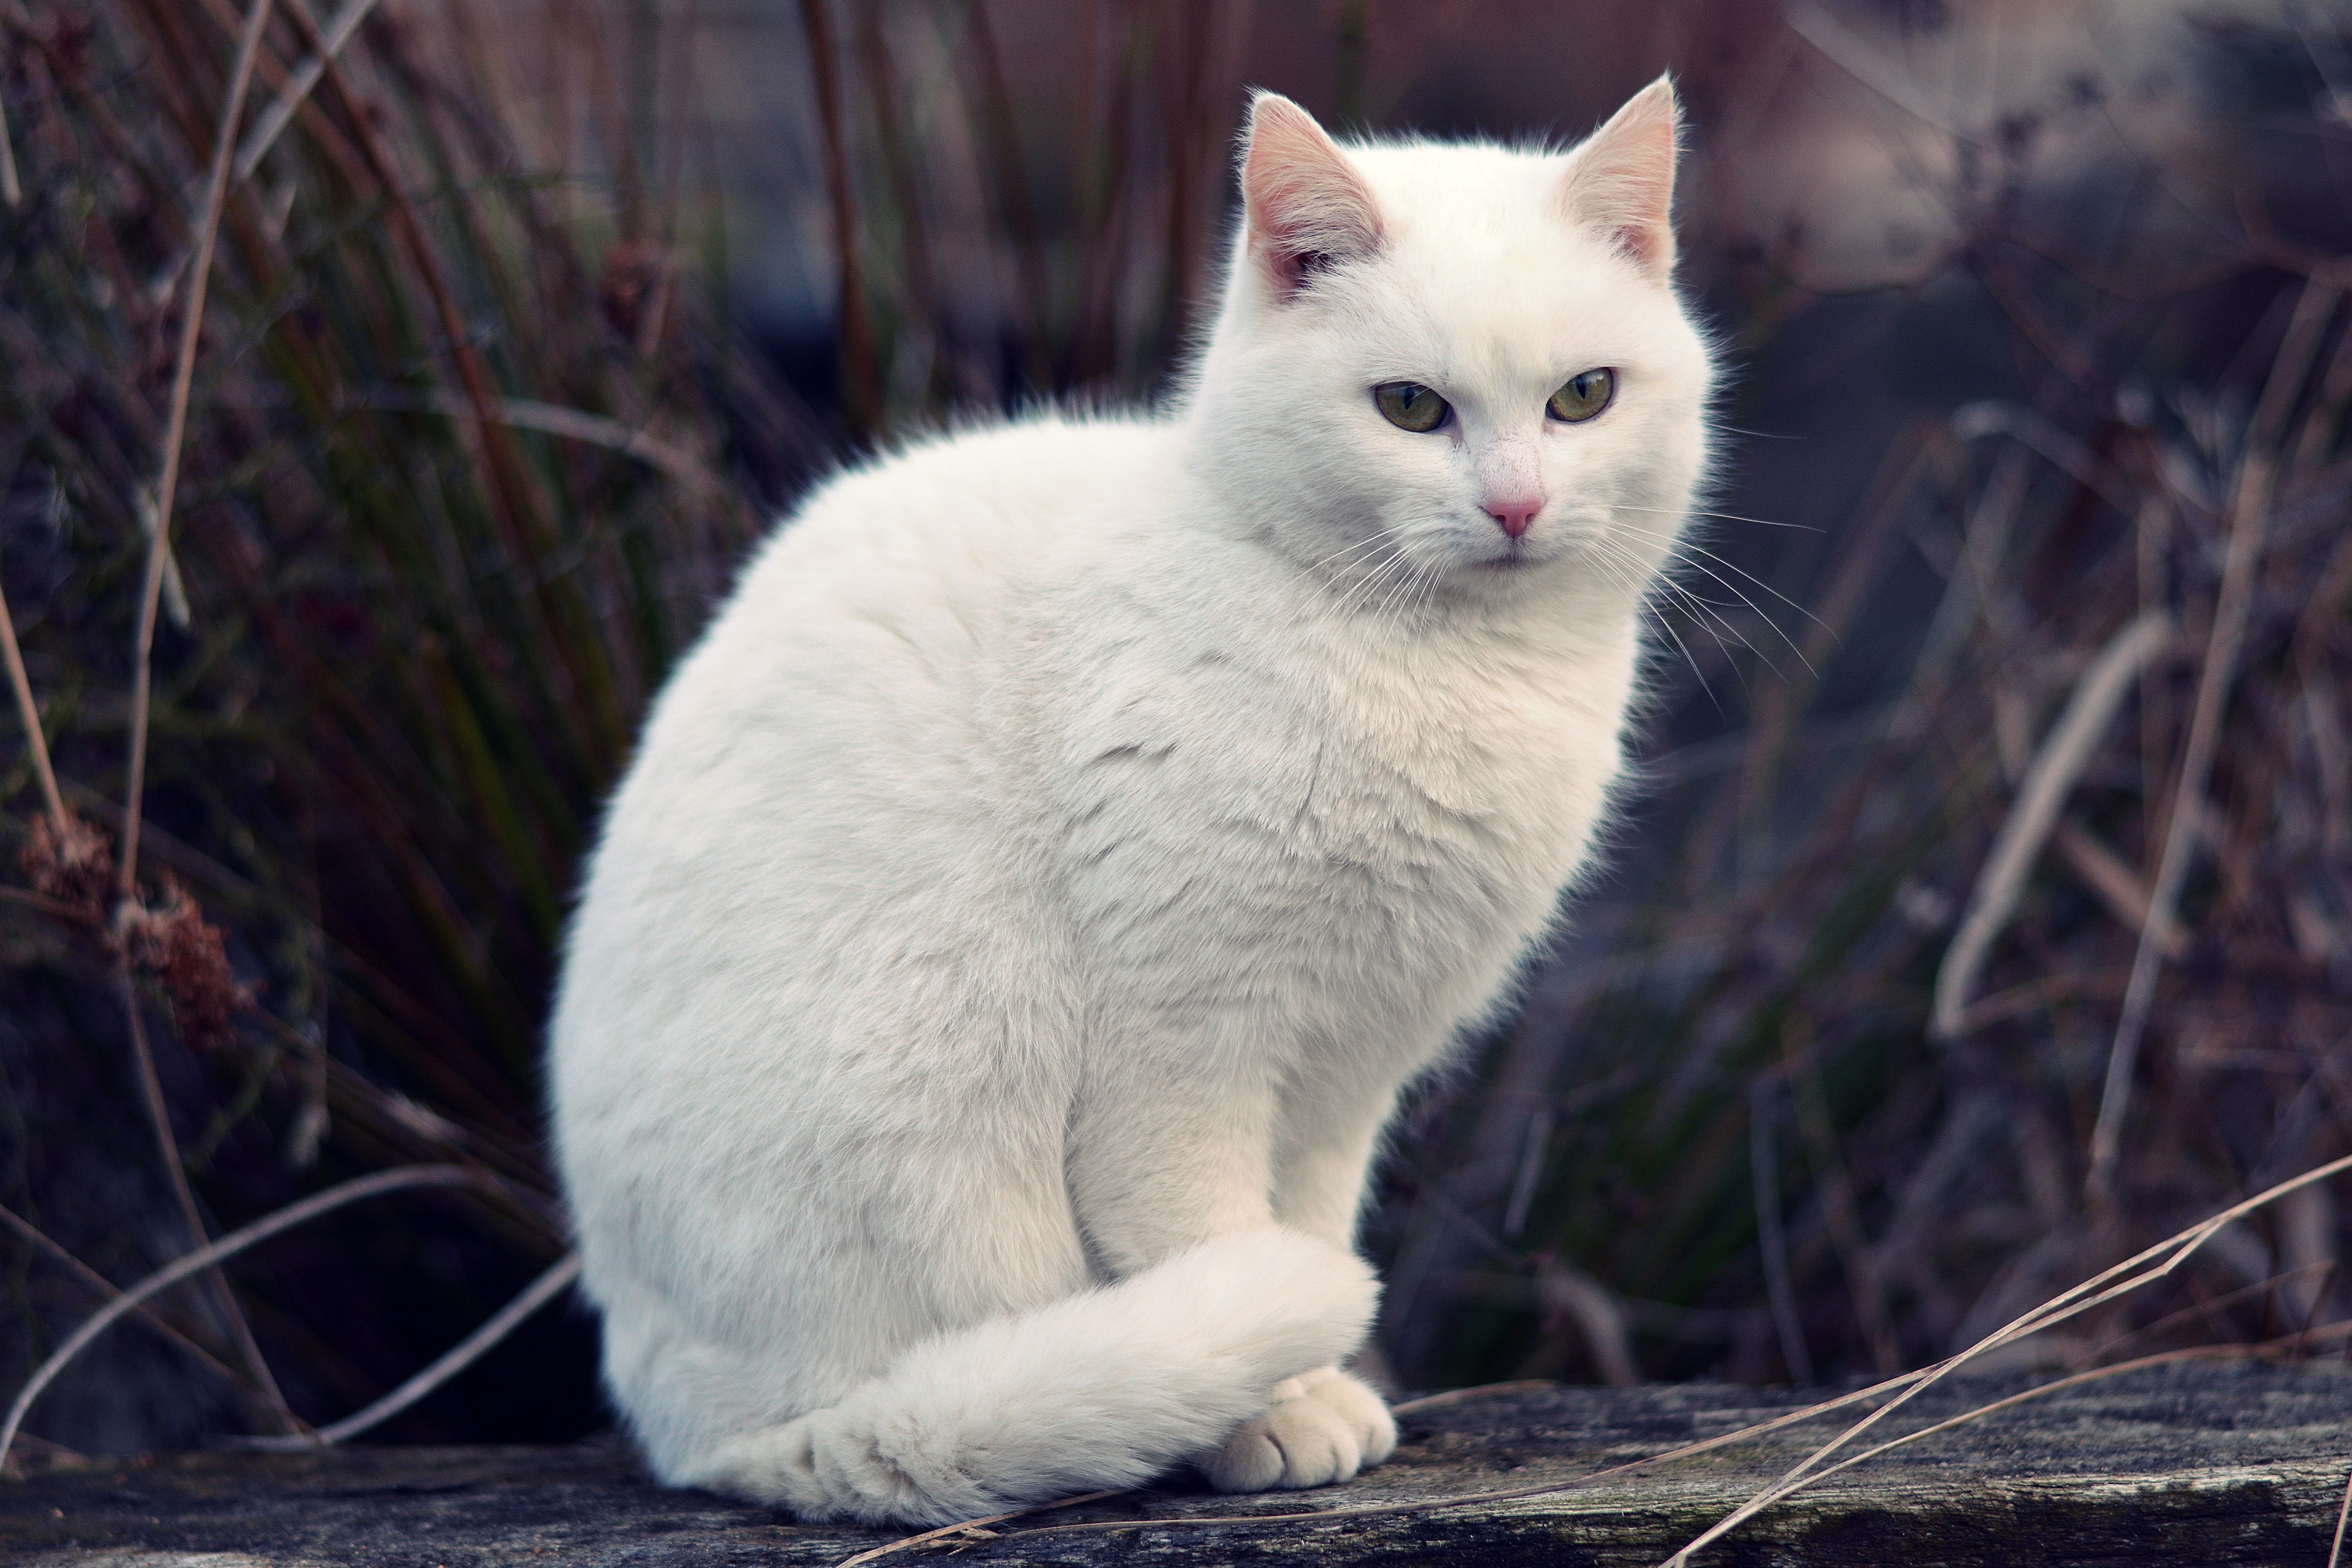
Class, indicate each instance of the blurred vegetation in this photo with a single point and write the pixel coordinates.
(481, 422)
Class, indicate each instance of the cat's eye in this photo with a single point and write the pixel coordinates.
(1582, 395)
(1409, 406)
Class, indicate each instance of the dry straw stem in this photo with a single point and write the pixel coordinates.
(159, 1113)
(2343, 1512)
(215, 1252)
(2128, 1276)
(107, 1289)
(151, 598)
(970, 1529)
(35, 742)
(2072, 742)
(11, 191)
(443, 1367)
(183, 370)
(280, 113)
(2133, 1272)
(2249, 508)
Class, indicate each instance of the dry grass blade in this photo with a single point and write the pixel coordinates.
(2343, 1512)
(183, 370)
(214, 1253)
(443, 1367)
(2061, 761)
(1454, 1397)
(11, 191)
(1432, 1505)
(35, 742)
(2040, 1390)
(965, 1527)
(2250, 517)
(280, 112)
(107, 1289)
(2142, 1268)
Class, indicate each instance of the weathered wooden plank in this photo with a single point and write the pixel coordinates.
(2205, 1464)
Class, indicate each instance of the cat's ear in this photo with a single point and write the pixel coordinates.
(1303, 202)
(1621, 181)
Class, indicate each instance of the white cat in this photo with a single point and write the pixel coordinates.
(1031, 898)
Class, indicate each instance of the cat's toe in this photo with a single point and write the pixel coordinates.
(1248, 1461)
(1361, 1406)
(1317, 1429)
(1318, 1444)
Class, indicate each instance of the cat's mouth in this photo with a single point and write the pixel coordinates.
(1513, 557)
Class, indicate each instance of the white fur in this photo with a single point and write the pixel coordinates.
(1030, 899)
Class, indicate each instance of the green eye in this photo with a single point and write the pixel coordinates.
(1585, 395)
(1409, 406)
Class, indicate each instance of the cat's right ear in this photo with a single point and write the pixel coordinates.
(1304, 204)
(1622, 179)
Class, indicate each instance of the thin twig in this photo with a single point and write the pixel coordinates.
(2139, 1270)
(1763, 1166)
(150, 593)
(968, 1526)
(10, 191)
(860, 382)
(2249, 525)
(215, 1252)
(1454, 1397)
(107, 1289)
(2039, 1390)
(2335, 1547)
(274, 120)
(35, 740)
(443, 1367)
(2017, 845)
(158, 1115)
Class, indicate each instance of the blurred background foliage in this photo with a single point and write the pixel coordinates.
(531, 317)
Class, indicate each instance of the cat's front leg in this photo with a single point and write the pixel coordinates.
(1166, 1153)
(1326, 1425)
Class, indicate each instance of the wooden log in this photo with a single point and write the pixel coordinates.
(2190, 1463)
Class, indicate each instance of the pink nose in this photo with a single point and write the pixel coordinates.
(1512, 514)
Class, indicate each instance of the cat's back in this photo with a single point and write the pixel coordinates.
(832, 723)
(860, 634)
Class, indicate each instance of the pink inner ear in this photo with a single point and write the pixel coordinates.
(1307, 204)
(1621, 181)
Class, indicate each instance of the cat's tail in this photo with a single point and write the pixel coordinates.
(1101, 1389)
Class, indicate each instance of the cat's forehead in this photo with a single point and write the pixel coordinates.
(1483, 276)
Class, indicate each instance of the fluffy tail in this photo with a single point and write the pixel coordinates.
(1105, 1389)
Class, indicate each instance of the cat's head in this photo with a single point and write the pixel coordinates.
(1446, 367)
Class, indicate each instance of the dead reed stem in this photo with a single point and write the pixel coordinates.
(216, 1252)
(35, 741)
(183, 370)
(150, 601)
(11, 191)
(107, 1289)
(2142, 1268)
(2249, 513)
(443, 1367)
(274, 120)
(2343, 1512)
(175, 1171)
(2063, 755)
(860, 388)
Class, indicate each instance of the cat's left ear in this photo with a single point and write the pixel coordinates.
(1303, 202)
(1621, 181)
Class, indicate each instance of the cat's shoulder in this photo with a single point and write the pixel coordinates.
(1021, 456)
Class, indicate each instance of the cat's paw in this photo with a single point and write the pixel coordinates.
(1317, 1429)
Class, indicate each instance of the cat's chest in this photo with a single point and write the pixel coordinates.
(1315, 780)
